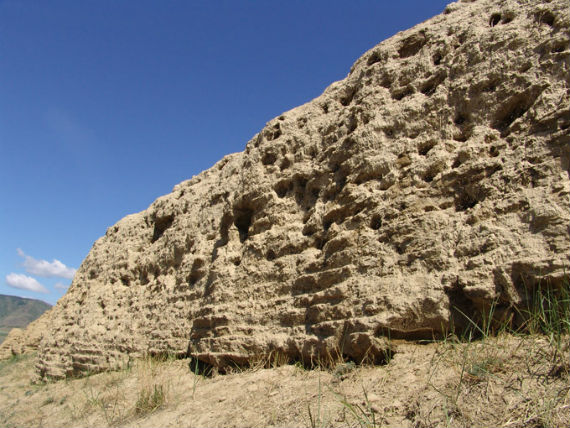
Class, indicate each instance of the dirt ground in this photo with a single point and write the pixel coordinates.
(501, 381)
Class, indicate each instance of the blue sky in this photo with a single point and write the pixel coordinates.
(106, 105)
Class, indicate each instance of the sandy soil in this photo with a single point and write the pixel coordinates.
(503, 381)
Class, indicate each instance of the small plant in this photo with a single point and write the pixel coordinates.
(365, 417)
(389, 352)
(92, 397)
(548, 311)
(48, 400)
(344, 368)
(113, 409)
(483, 368)
(318, 419)
(200, 368)
(277, 359)
(150, 399)
(270, 360)
(475, 329)
(197, 375)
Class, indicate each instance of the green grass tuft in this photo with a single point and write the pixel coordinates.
(548, 311)
(150, 399)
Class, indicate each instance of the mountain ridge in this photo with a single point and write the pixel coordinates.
(18, 312)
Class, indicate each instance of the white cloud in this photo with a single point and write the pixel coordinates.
(46, 269)
(60, 286)
(24, 282)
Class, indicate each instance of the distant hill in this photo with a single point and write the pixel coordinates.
(18, 312)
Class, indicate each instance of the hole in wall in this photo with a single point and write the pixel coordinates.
(508, 18)
(437, 57)
(461, 307)
(462, 37)
(270, 255)
(273, 133)
(465, 200)
(424, 148)
(312, 152)
(269, 158)
(283, 187)
(286, 163)
(160, 226)
(460, 137)
(197, 271)
(412, 45)
(414, 132)
(340, 183)
(143, 278)
(545, 17)
(386, 82)
(199, 367)
(300, 189)
(459, 119)
(559, 46)
(510, 112)
(242, 220)
(376, 222)
(403, 160)
(402, 93)
(490, 87)
(430, 86)
(319, 243)
(429, 175)
(401, 247)
(309, 230)
(347, 98)
(494, 19)
(374, 58)
(194, 277)
(301, 183)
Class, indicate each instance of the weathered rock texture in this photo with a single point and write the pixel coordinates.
(434, 177)
(21, 341)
